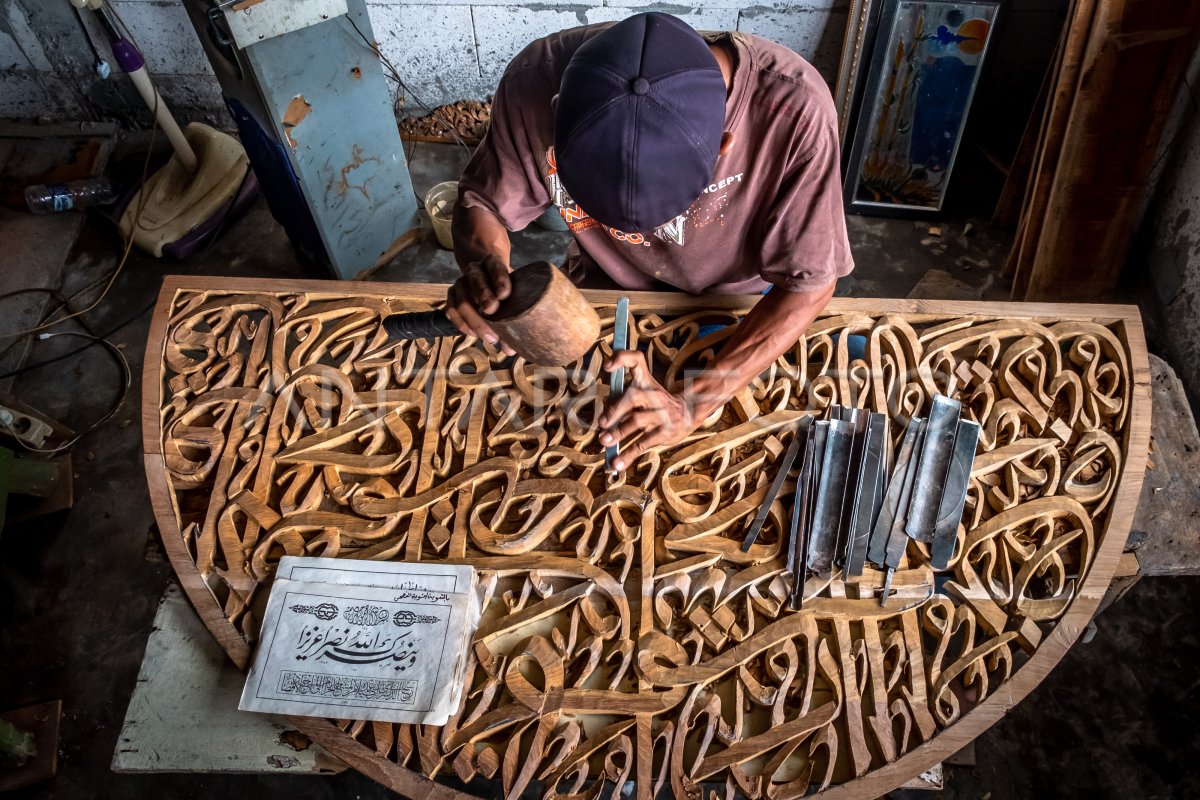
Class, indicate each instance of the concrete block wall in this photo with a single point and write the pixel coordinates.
(445, 50)
(28, 83)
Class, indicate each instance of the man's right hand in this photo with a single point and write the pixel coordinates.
(479, 291)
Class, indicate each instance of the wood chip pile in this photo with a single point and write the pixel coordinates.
(467, 118)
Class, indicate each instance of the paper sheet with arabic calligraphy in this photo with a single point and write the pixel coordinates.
(338, 649)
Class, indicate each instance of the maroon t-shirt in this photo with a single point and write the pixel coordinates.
(772, 214)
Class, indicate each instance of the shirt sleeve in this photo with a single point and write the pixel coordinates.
(805, 246)
(504, 175)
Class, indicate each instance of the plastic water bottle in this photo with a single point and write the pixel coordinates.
(49, 198)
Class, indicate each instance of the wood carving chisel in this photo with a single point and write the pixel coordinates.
(958, 479)
(785, 466)
(616, 380)
(870, 476)
(897, 540)
(830, 493)
(856, 422)
(877, 547)
(936, 452)
(819, 433)
(801, 522)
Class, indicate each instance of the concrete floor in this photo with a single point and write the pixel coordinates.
(79, 590)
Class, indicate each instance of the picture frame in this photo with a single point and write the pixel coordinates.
(862, 22)
(925, 66)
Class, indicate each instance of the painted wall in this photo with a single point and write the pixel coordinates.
(444, 50)
(1167, 252)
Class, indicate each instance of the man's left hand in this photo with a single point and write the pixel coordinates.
(662, 418)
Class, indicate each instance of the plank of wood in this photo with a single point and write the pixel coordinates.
(183, 715)
(1131, 72)
(1068, 67)
(420, 296)
(1007, 213)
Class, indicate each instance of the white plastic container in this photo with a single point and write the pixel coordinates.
(439, 203)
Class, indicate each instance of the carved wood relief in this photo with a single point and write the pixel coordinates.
(626, 636)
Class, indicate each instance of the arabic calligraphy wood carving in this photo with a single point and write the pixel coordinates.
(625, 635)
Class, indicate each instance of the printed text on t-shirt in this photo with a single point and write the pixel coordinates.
(579, 220)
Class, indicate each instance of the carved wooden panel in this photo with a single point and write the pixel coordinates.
(625, 635)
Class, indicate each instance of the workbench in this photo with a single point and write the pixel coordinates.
(626, 636)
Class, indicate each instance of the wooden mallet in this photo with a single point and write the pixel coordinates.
(545, 318)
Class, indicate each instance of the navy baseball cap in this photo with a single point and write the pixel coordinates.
(639, 120)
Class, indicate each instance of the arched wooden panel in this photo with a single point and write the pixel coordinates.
(625, 636)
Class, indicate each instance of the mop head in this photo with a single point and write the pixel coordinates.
(174, 203)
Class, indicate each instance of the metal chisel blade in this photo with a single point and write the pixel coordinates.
(958, 479)
(616, 380)
(830, 493)
(897, 540)
(785, 466)
(936, 452)
(870, 475)
(802, 521)
(877, 546)
(856, 419)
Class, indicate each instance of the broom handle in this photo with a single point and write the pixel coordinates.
(183, 149)
(130, 60)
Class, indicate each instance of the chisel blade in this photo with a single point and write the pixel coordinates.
(897, 540)
(810, 506)
(958, 479)
(831, 490)
(616, 380)
(877, 546)
(856, 419)
(784, 467)
(798, 539)
(870, 476)
(936, 453)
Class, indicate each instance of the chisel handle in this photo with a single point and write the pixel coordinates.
(419, 325)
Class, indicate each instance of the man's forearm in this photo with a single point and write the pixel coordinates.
(774, 324)
(478, 235)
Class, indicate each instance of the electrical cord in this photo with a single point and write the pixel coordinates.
(112, 278)
(394, 74)
(63, 302)
(127, 374)
(107, 334)
(137, 217)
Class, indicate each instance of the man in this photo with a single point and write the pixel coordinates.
(709, 164)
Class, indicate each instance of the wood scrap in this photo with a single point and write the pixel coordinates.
(465, 120)
(1117, 72)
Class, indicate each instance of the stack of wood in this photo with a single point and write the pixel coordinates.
(467, 120)
(1077, 185)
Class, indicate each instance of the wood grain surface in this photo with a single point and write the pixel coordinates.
(625, 635)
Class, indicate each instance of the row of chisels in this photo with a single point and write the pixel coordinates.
(861, 497)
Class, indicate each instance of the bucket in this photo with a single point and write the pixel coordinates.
(439, 203)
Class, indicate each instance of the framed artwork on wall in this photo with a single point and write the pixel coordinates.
(924, 68)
